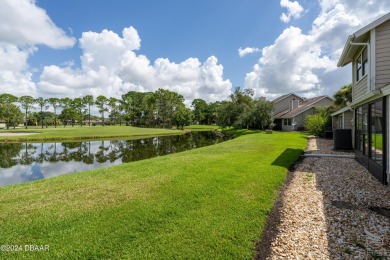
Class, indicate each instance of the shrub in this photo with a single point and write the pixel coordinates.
(319, 122)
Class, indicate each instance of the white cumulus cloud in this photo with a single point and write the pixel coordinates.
(294, 9)
(23, 25)
(246, 51)
(111, 67)
(305, 63)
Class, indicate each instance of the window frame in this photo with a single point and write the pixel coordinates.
(361, 66)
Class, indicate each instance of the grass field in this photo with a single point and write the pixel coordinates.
(201, 127)
(85, 132)
(207, 203)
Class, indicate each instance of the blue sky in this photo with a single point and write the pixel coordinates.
(172, 29)
(73, 48)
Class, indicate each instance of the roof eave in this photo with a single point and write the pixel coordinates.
(347, 48)
(345, 55)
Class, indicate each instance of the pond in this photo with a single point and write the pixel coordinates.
(24, 162)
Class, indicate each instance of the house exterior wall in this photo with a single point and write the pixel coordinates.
(287, 128)
(382, 55)
(348, 120)
(359, 89)
(336, 121)
(343, 120)
(325, 102)
(284, 103)
(300, 119)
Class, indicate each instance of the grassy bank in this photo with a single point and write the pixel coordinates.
(83, 133)
(208, 203)
(201, 127)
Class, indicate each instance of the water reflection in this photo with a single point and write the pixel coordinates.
(23, 162)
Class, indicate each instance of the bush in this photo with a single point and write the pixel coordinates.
(319, 122)
(316, 124)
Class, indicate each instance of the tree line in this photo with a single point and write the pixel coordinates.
(162, 108)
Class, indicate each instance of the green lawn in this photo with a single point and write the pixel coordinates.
(377, 140)
(85, 132)
(201, 127)
(207, 203)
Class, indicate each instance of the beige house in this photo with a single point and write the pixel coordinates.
(368, 50)
(290, 111)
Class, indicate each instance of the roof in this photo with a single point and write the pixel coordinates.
(359, 36)
(303, 106)
(285, 96)
(342, 110)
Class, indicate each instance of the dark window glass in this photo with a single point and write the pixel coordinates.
(362, 65)
(376, 124)
(364, 62)
(359, 129)
(365, 130)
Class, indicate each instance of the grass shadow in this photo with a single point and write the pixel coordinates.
(288, 158)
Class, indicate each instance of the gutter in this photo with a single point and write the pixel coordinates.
(367, 44)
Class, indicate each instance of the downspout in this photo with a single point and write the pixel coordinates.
(367, 44)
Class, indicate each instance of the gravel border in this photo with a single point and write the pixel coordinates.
(322, 211)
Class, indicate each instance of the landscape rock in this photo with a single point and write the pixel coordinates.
(324, 211)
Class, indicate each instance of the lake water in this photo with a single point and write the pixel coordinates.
(24, 162)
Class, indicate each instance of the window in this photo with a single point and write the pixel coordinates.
(362, 64)
(376, 121)
(369, 130)
(287, 121)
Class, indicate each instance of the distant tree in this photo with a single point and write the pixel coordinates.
(65, 104)
(16, 116)
(162, 97)
(32, 119)
(41, 103)
(79, 105)
(174, 103)
(236, 111)
(26, 102)
(7, 107)
(101, 102)
(55, 102)
(127, 107)
(89, 100)
(149, 108)
(262, 114)
(113, 103)
(200, 110)
(212, 112)
(183, 116)
(343, 96)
